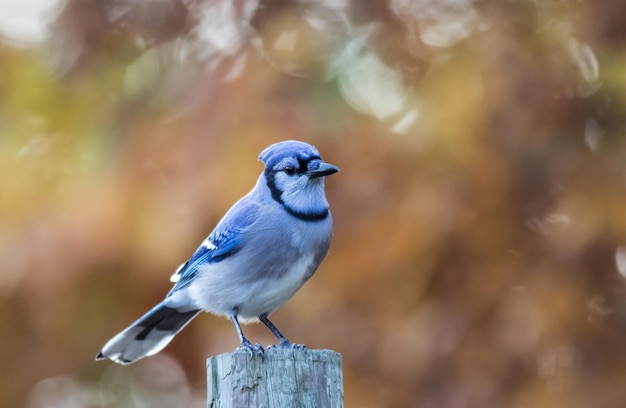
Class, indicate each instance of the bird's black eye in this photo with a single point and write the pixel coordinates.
(290, 171)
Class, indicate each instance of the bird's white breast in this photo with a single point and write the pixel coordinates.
(215, 292)
(273, 293)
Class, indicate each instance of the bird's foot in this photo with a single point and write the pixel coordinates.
(252, 349)
(286, 344)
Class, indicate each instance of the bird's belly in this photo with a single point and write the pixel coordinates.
(255, 296)
(271, 294)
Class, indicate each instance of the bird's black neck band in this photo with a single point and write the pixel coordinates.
(301, 215)
(307, 216)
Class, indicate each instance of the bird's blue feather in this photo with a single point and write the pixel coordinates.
(223, 242)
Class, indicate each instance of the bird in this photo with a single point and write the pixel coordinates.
(265, 247)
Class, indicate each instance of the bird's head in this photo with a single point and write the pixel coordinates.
(294, 174)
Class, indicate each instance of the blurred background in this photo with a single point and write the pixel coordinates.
(479, 256)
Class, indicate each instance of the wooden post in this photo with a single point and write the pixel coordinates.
(283, 378)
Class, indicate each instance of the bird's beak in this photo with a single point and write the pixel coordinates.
(324, 169)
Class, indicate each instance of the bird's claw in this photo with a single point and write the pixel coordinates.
(287, 345)
(252, 349)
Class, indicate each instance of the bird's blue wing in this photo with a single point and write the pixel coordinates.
(224, 241)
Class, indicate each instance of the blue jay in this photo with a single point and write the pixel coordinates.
(259, 254)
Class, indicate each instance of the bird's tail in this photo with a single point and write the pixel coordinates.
(148, 335)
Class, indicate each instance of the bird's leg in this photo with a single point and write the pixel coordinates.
(284, 343)
(244, 343)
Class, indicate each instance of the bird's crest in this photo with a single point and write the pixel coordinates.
(277, 152)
